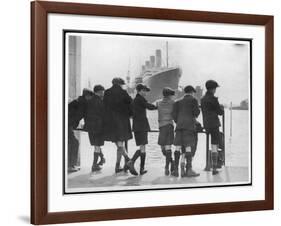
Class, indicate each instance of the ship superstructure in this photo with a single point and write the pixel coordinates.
(157, 76)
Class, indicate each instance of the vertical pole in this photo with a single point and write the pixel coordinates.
(208, 159)
(223, 130)
(167, 54)
(230, 119)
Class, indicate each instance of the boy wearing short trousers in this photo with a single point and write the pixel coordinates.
(141, 125)
(94, 120)
(185, 112)
(166, 127)
(211, 109)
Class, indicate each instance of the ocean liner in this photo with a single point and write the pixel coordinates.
(157, 76)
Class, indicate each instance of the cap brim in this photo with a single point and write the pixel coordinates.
(146, 89)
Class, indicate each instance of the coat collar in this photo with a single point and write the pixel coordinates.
(187, 96)
(96, 96)
(167, 99)
(115, 86)
(139, 96)
(208, 93)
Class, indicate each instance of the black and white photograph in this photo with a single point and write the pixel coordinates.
(155, 111)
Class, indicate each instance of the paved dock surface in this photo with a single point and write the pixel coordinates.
(106, 179)
(155, 176)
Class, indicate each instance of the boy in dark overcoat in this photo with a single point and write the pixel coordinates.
(141, 125)
(94, 121)
(76, 111)
(117, 126)
(211, 109)
(185, 112)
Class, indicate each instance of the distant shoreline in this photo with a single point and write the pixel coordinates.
(240, 108)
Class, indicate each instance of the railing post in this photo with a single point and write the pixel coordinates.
(126, 146)
(223, 130)
(208, 157)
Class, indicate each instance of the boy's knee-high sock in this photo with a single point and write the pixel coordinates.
(124, 153)
(118, 160)
(189, 170)
(188, 156)
(182, 165)
(214, 162)
(136, 155)
(168, 158)
(176, 165)
(95, 166)
(142, 163)
(130, 164)
(168, 161)
(102, 159)
(96, 156)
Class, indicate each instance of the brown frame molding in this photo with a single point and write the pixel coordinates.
(39, 107)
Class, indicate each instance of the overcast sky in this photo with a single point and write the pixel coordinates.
(108, 56)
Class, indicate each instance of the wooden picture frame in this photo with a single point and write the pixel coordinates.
(39, 112)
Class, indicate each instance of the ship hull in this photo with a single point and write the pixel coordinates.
(156, 83)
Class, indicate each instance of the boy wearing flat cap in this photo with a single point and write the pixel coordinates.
(185, 112)
(211, 109)
(166, 127)
(94, 122)
(141, 124)
(76, 112)
(117, 125)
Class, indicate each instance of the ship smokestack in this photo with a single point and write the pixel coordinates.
(143, 67)
(147, 64)
(158, 58)
(152, 61)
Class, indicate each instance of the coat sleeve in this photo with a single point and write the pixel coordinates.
(175, 112)
(147, 105)
(105, 99)
(195, 110)
(218, 108)
(127, 99)
(157, 104)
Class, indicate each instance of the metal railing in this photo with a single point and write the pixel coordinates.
(208, 151)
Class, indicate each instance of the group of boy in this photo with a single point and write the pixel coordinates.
(107, 118)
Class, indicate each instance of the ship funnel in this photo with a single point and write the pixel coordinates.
(152, 61)
(158, 58)
(143, 67)
(147, 64)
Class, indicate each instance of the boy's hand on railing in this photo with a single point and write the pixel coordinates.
(222, 108)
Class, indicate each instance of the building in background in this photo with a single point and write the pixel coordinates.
(74, 75)
(74, 67)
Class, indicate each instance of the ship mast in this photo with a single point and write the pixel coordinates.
(167, 55)
(128, 77)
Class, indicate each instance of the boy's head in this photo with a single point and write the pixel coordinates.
(168, 92)
(118, 81)
(189, 90)
(142, 89)
(211, 86)
(87, 94)
(99, 90)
